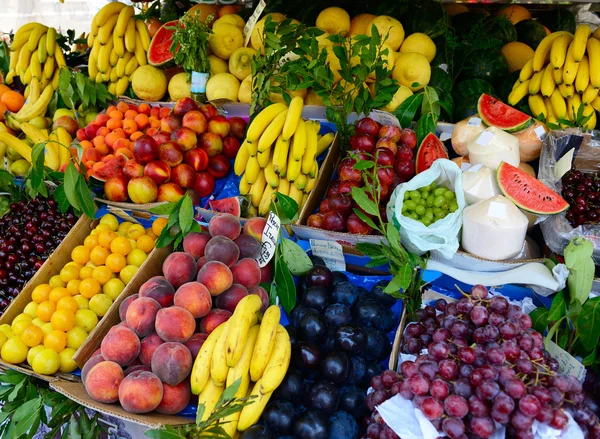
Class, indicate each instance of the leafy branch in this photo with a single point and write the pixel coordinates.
(181, 222)
(190, 43)
(428, 104)
(78, 90)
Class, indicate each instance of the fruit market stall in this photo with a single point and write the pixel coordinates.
(280, 220)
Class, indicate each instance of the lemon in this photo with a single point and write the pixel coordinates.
(391, 27)
(419, 43)
(324, 41)
(225, 39)
(69, 272)
(517, 54)
(412, 70)
(113, 288)
(135, 231)
(14, 351)
(149, 83)
(125, 225)
(245, 91)
(233, 19)
(127, 273)
(30, 309)
(256, 39)
(217, 65)
(111, 221)
(18, 326)
(86, 319)
(75, 337)
(100, 304)
(6, 329)
(33, 352)
(67, 364)
(334, 20)
(56, 282)
(240, 62)
(179, 87)
(222, 86)
(46, 362)
(82, 302)
(136, 257)
(360, 24)
(400, 96)
(312, 98)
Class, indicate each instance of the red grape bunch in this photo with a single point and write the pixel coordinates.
(485, 365)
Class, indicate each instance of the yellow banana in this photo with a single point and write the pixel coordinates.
(548, 84)
(118, 47)
(537, 106)
(304, 199)
(593, 53)
(573, 105)
(38, 108)
(279, 362)
(314, 171)
(92, 66)
(280, 156)
(244, 185)
(244, 316)
(21, 40)
(36, 67)
(265, 342)
(570, 68)
(113, 75)
(590, 124)
(542, 52)
(310, 155)
(121, 86)
(559, 107)
(293, 118)
(284, 186)
(24, 58)
(98, 78)
(265, 201)
(108, 11)
(64, 148)
(59, 58)
(590, 94)
(300, 182)
(34, 37)
(582, 80)
(114, 58)
(250, 414)
(130, 36)
(325, 142)
(257, 189)
(209, 397)
(52, 156)
(558, 76)
(218, 365)
(55, 79)
(293, 168)
(35, 134)
(272, 132)
(296, 194)
(264, 158)
(90, 39)
(18, 145)
(551, 118)
(105, 31)
(131, 66)
(201, 370)
(558, 52)
(299, 142)
(243, 365)
(527, 71)
(229, 423)
(310, 185)
(104, 57)
(125, 15)
(140, 55)
(596, 34)
(42, 52)
(241, 159)
(51, 41)
(518, 93)
(567, 91)
(596, 103)
(121, 64)
(271, 177)
(27, 76)
(253, 169)
(142, 30)
(535, 84)
(262, 121)
(582, 33)
(14, 59)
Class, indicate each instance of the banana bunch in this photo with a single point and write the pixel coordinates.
(563, 76)
(35, 106)
(35, 54)
(242, 348)
(119, 44)
(280, 154)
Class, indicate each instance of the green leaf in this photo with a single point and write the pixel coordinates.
(26, 415)
(360, 196)
(286, 207)
(286, 290)
(229, 392)
(64, 79)
(85, 200)
(164, 240)
(405, 113)
(70, 184)
(558, 308)
(363, 165)
(36, 175)
(186, 215)
(359, 213)
(74, 431)
(368, 249)
(591, 358)
(61, 198)
(588, 323)
(164, 434)
(578, 259)
(539, 319)
(399, 282)
(425, 125)
(164, 209)
(295, 258)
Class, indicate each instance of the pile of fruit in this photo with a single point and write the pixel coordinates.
(29, 233)
(339, 338)
(581, 190)
(392, 150)
(280, 154)
(429, 203)
(485, 367)
(64, 311)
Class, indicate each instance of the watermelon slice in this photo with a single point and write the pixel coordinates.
(528, 192)
(497, 114)
(232, 205)
(159, 51)
(429, 151)
(112, 168)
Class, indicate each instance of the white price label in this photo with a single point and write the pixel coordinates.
(331, 252)
(567, 364)
(269, 239)
(564, 164)
(540, 132)
(485, 138)
(384, 118)
(253, 20)
(474, 122)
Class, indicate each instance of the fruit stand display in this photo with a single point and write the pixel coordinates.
(293, 220)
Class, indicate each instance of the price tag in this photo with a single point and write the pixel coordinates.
(290, 56)
(567, 364)
(564, 164)
(269, 240)
(540, 132)
(384, 118)
(474, 122)
(485, 138)
(253, 20)
(331, 252)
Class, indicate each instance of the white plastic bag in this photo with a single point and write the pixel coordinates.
(441, 235)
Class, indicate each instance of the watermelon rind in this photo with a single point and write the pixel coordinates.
(232, 205)
(430, 149)
(505, 117)
(161, 41)
(527, 192)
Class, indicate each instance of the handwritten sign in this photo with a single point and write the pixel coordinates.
(567, 364)
(331, 253)
(253, 20)
(269, 239)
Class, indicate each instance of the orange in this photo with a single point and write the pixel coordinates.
(45, 310)
(145, 243)
(41, 293)
(88, 288)
(103, 132)
(150, 233)
(154, 122)
(69, 272)
(115, 114)
(158, 225)
(57, 293)
(13, 100)
(129, 126)
(32, 336)
(3, 110)
(110, 108)
(3, 89)
(113, 124)
(102, 274)
(56, 340)
(130, 114)
(120, 245)
(151, 131)
(97, 166)
(122, 106)
(55, 281)
(108, 158)
(105, 238)
(85, 272)
(136, 136)
(73, 285)
(63, 319)
(228, 9)
(81, 254)
(144, 108)
(120, 143)
(135, 231)
(67, 303)
(164, 112)
(91, 241)
(116, 262)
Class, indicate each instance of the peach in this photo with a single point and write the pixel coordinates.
(170, 153)
(147, 347)
(196, 121)
(201, 262)
(81, 136)
(94, 359)
(172, 363)
(185, 138)
(216, 276)
(254, 227)
(103, 381)
(208, 111)
(175, 324)
(115, 188)
(136, 368)
(249, 246)
(246, 272)
(169, 192)
(133, 169)
(194, 297)
(145, 149)
(159, 289)
(162, 137)
(194, 244)
(68, 123)
(183, 175)
(158, 171)
(140, 392)
(179, 268)
(237, 127)
(197, 158)
(230, 298)
(141, 315)
(264, 297)
(195, 343)
(184, 105)
(213, 319)
(91, 130)
(219, 125)
(170, 123)
(222, 249)
(120, 345)
(266, 273)
(211, 143)
(231, 147)
(142, 190)
(175, 398)
(225, 224)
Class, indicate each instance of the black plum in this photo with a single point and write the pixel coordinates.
(257, 432)
(290, 388)
(306, 355)
(378, 294)
(351, 339)
(368, 312)
(358, 366)
(316, 298)
(337, 315)
(312, 424)
(378, 345)
(339, 277)
(296, 314)
(324, 396)
(342, 426)
(345, 293)
(279, 417)
(335, 366)
(312, 326)
(319, 276)
(352, 400)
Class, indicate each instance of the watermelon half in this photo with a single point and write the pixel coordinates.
(159, 51)
(429, 151)
(497, 114)
(528, 192)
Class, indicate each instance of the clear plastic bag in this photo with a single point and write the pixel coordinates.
(441, 235)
